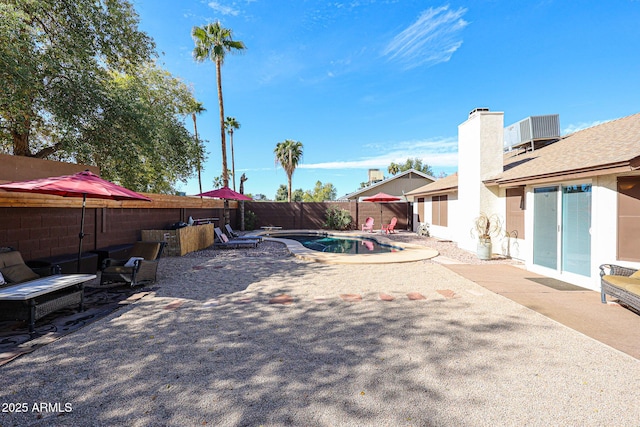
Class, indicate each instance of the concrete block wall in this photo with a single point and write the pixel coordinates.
(311, 215)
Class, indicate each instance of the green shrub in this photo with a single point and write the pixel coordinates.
(250, 220)
(337, 218)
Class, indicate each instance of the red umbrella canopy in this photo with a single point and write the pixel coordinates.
(81, 184)
(381, 197)
(225, 193)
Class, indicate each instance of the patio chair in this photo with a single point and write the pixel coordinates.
(391, 227)
(368, 225)
(223, 241)
(234, 235)
(139, 269)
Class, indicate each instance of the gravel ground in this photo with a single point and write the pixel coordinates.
(210, 348)
(448, 249)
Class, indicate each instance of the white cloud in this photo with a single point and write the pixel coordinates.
(581, 126)
(225, 10)
(432, 39)
(442, 153)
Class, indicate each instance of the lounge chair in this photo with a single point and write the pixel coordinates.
(139, 269)
(368, 225)
(234, 235)
(223, 241)
(391, 227)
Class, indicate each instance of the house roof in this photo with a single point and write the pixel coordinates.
(612, 147)
(373, 188)
(607, 148)
(447, 184)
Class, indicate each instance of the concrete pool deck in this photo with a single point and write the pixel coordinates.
(409, 253)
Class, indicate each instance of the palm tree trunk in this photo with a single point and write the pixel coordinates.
(233, 163)
(195, 131)
(289, 192)
(223, 143)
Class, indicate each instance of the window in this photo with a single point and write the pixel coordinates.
(515, 212)
(420, 209)
(629, 218)
(439, 210)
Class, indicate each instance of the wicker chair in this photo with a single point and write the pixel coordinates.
(622, 283)
(140, 269)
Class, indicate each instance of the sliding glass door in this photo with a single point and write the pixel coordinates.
(545, 227)
(576, 229)
(562, 228)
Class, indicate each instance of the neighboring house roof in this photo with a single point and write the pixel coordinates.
(448, 184)
(612, 147)
(374, 188)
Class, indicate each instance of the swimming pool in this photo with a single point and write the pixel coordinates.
(340, 245)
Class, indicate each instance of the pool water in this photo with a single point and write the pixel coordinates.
(341, 245)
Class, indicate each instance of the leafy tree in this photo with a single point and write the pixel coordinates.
(282, 194)
(218, 181)
(297, 195)
(395, 168)
(288, 154)
(139, 139)
(213, 41)
(55, 59)
(320, 193)
(230, 124)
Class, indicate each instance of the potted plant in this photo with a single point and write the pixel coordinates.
(485, 226)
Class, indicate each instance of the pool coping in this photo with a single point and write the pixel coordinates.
(410, 252)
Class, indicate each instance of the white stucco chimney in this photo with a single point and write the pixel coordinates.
(480, 153)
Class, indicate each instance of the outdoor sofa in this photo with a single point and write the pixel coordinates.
(622, 283)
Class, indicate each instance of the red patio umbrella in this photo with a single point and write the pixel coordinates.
(381, 198)
(82, 184)
(225, 193)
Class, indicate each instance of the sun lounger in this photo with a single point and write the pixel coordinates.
(223, 241)
(234, 235)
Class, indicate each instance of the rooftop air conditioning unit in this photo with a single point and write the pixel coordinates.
(478, 110)
(533, 129)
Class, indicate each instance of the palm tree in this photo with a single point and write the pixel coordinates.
(213, 41)
(231, 123)
(196, 109)
(288, 154)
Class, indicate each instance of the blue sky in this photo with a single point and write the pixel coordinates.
(363, 83)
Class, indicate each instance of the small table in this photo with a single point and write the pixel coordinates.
(28, 292)
(269, 228)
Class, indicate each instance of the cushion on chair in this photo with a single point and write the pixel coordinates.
(117, 269)
(146, 250)
(132, 261)
(621, 281)
(18, 273)
(636, 275)
(635, 289)
(10, 258)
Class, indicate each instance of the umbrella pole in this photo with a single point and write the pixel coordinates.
(81, 235)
